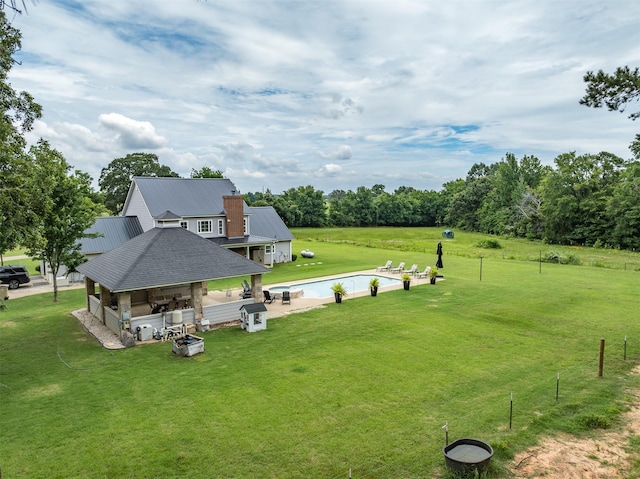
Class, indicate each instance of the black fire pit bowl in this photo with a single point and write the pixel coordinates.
(466, 454)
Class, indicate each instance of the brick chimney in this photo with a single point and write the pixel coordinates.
(234, 207)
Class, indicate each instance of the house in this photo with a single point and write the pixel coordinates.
(163, 270)
(107, 233)
(213, 209)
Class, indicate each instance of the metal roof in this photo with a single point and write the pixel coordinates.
(266, 222)
(164, 257)
(111, 232)
(185, 197)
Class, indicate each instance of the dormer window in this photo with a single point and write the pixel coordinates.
(205, 226)
(220, 227)
(245, 225)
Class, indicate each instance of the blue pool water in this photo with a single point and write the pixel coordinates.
(322, 289)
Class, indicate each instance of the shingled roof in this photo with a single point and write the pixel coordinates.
(164, 257)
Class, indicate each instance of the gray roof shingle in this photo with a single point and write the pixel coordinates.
(163, 257)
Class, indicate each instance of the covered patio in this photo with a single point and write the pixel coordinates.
(161, 273)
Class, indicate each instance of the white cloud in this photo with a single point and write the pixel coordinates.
(279, 95)
(331, 169)
(132, 133)
(343, 152)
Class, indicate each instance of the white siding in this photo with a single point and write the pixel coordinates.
(137, 207)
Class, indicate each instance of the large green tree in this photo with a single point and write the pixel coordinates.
(18, 111)
(574, 198)
(302, 206)
(616, 92)
(64, 210)
(206, 172)
(115, 179)
(623, 207)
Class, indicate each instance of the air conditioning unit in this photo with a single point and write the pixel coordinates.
(146, 332)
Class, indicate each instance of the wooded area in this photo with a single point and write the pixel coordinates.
(591, 200)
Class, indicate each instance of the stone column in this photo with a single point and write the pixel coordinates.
(196, 302)
(105, 301)
(256, 287)
(124, 305)
(90, 290)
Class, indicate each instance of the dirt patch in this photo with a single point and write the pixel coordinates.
(567, 457)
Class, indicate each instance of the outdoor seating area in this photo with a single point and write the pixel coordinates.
(169, 302)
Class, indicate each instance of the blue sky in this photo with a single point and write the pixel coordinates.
(333, 94)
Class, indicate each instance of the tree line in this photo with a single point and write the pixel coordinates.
(582, 200)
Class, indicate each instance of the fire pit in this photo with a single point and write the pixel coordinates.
(465, 455)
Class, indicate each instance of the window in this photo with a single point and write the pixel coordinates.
(221, 227)
(204, 226)
(245, 225)
(184, 224)
(267, 249)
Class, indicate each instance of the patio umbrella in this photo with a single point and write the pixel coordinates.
(439, 253)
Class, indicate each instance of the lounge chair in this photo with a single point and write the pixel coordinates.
(268, 298)
(286, 298)
(397, 269)
(412, 271)
(246, 290)
(385, 267)
(425, 273)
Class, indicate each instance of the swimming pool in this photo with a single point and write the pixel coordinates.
(322, 289)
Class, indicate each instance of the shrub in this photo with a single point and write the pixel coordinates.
(489, 244)
(559, 258)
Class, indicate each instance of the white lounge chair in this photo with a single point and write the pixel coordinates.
(425, 273)
(385, 267)
(397, 269)
(412, 271)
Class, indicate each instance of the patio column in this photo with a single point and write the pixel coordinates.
(105, 301)
(90, 290)
(124, 305)
(196, 302)
(256, 287)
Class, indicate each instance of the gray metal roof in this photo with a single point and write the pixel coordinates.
(266, 222)
(185, 196)
(163, 257)
(111, 231)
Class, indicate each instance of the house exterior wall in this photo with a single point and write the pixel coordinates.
(137, 207)
(281, 253)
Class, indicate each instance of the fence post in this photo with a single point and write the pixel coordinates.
(601, 360)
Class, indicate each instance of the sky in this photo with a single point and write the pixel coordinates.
(332, 94)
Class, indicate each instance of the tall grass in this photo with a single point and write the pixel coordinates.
(365, 385)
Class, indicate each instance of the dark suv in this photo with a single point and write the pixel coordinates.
(14, 276)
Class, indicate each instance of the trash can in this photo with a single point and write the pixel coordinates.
(4, 292)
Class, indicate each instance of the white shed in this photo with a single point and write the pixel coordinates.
(253, 317)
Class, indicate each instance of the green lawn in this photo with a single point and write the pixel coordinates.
(367, 384)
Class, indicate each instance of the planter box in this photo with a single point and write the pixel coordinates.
(189, 345)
